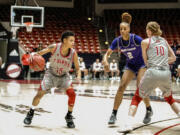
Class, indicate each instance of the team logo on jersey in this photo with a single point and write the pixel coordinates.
(13, 71)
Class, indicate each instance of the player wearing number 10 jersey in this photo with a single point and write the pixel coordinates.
(130, 45)
(157, 55)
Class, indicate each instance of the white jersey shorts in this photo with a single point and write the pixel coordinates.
(155, 78)
(60, 82)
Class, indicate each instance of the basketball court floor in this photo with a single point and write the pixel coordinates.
(92, 110)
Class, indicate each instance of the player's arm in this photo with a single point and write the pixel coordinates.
(144, 46)
(76, 64)
(105, 59)
(171, 55)
(107, 55)
(49, 49)
(113, 46)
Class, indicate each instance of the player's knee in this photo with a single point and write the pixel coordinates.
(72, 96)
(136, 100)
(169, 99)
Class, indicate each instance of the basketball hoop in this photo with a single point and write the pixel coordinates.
(29, 26)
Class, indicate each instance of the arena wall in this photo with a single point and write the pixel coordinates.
(100, 7)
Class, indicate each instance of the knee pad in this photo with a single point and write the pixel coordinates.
(169, 99)
(72, 95)
(136, 98)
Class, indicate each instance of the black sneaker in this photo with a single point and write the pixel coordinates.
(29, 117)
(112, 119)
(69, 121)
(147, 118)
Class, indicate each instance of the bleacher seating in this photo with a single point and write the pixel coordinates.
(169, 20)
(58, 20)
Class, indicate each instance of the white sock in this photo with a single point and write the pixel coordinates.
(33, 107)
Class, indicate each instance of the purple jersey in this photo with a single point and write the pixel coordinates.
(132, 50)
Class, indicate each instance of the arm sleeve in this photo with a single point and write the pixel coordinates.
(114, 44)
(138, 39)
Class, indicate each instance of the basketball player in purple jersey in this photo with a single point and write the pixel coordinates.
(157, 56)
(130, 45)
(57, 75)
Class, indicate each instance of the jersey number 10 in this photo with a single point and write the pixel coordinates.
(160, 50)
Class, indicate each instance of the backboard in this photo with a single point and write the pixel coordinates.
(22, 14)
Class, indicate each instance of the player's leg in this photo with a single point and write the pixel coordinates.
(71, 100)
(165, 86)
(117, 73)
(143, 92)
(85, 74)
(94, 71)
(65, 83)
(46, 85)
(35, 102)
(174, 105)
(149, 111)
(126, 78)
(26, 69)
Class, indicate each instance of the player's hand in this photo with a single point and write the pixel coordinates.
(31, 57)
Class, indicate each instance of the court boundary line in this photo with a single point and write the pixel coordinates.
(144, 125)
(162, 130)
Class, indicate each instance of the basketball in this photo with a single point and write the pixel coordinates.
(37, 63)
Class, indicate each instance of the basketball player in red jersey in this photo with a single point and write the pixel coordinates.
(157, 56)
(57, 75)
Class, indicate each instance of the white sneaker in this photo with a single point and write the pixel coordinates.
(128, 125)
(125, 128)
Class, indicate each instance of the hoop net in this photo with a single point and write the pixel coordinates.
(29, 26)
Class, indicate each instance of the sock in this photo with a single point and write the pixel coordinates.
(33, 107)
(31, 111)
(114, 112)
(69, 113)
(149, 108)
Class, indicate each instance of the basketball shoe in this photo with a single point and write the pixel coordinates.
(112, 119)
(69, 121)
(29, 117)
(147, 117)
